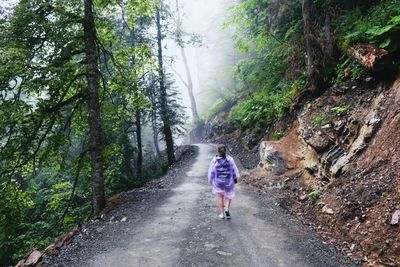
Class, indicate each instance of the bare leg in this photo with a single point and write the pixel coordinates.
(221, 202)
(227, 203)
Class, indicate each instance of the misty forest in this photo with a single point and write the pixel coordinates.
(111, 110)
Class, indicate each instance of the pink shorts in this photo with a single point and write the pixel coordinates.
(227, 193)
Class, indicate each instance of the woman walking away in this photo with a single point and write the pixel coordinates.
(222, 175)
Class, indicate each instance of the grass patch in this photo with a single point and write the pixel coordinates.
(340, 110)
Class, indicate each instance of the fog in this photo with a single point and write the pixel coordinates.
(212, 63)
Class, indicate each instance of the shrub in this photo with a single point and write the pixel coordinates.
(356, 70)
(265, 105)
(380, 25)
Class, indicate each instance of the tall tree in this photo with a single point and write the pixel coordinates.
(95, 125)
(153, 97)
(163, 93)
(314, 53)
(139, 161)
(188, 83)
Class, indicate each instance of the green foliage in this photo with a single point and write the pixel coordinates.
(314, 195)
(257, 112)
(45, 167)
(354, 69)
(378, 24)
(13, 202)
(277, 136)
(341, 109)
(218, 106)
(267, 33)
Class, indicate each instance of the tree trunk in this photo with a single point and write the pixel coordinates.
(163, 96)
(314, 54)
(139, 162)
(329, 46)
(189, 85)
(95, 125)
(155, 133)
(127, 152)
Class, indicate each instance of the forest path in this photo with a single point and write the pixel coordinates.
(183, 229)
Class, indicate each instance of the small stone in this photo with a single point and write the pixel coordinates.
(395, 218)
(352, 247)
(124, 219)
(210, 245)
(224, 253)
(327, 210)
(303, 197)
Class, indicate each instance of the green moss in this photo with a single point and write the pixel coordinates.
(320, 118)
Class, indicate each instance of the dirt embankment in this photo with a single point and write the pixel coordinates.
(338, 168)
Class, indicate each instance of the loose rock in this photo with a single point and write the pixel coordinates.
(327, 210)
(395, 218)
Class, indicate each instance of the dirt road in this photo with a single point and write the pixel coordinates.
(179, 226)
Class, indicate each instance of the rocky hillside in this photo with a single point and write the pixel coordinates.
(337, 166)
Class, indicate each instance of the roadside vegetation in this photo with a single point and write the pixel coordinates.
(273, 73)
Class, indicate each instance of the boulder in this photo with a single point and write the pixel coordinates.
(317, 140)
(251, 140)
(271, 159)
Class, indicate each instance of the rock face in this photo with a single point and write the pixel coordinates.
(340, 138)
(271, 159)
(317, 140)
(348, 146)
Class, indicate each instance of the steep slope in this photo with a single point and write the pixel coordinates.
(338, 168)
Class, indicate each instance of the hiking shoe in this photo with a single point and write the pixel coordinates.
(227, 214)
(221, 216)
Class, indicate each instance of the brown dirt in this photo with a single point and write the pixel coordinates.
(363, 198)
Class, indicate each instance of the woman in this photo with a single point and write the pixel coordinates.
(222, 175)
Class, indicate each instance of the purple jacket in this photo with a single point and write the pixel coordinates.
(222, 172)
